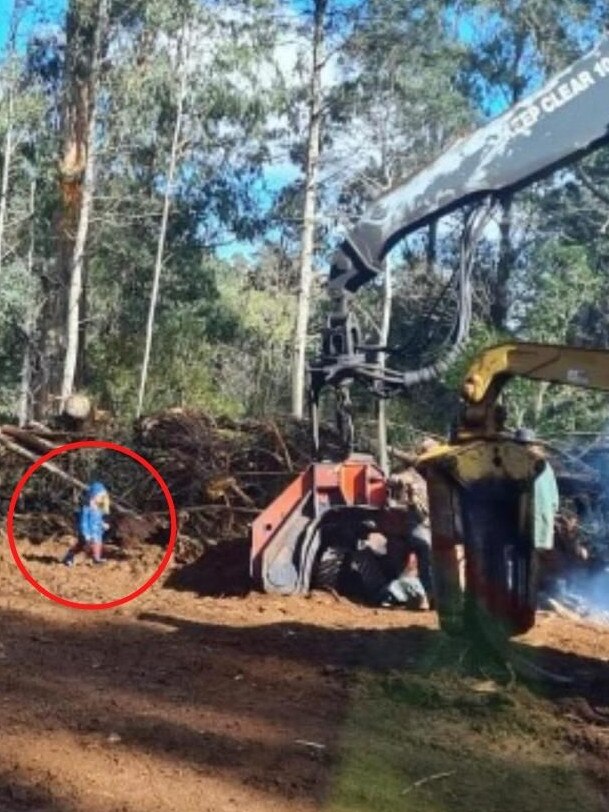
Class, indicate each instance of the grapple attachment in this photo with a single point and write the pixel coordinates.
(481, 496)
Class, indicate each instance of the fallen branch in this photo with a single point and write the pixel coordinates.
(588, 622)
(241, 494)
(314, 745)
(409, 458)
(54, 469)
(28, 438)
(246, 474)
(563, 611)
(282, 445)
(525, 668)
(422, 781)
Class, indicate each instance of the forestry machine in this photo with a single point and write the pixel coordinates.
(481, 482)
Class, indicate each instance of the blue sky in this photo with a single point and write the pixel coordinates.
(38, 12)
(465, 26)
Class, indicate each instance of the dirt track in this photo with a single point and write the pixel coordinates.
(178, 701)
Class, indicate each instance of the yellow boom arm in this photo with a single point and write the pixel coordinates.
(574, 366)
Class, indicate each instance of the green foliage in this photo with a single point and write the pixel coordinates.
(402, 81)
(564, 284)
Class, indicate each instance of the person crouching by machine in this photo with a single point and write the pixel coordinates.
(409, 550)
(90, 525)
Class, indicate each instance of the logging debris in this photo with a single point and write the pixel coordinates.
(220, 472)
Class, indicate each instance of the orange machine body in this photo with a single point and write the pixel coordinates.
(286, 537)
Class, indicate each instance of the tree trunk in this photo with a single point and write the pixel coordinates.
(6, 168)
(83, 310)
(25, 391)
(383, 340)
(538, 402)
(500, 303)
(431, 253)
(85, 22)
(75, 289)
(309, 212)
(173, 159)
(75, 285)
(23, 409)
(15, 20)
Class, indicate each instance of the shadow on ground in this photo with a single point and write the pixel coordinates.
(43, 558)
(221, 571)
(237, 703)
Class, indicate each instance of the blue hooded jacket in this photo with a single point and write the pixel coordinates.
(95, 489)
(90, 519)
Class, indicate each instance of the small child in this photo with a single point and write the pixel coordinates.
(90, 524)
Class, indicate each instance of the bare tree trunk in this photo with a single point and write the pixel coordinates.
(15, 21)
(507, 255)
(83, 310)
(383, 340)
(538, 402)
(431, 253)
(505, 264)
(309, 212)
(158, 265)
(25, 399)
(86, 206)
(85, 25)
(6, 168)
(75, 289)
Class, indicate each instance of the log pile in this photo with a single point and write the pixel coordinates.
(46, 506)
(222, 472)
(19, 448)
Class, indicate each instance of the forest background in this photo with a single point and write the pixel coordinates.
(174, 175)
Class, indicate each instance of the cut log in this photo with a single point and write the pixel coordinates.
(78, 406)
(28, 439)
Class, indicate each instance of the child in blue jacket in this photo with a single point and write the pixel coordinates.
(90, 524)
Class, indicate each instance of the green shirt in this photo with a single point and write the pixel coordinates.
(545, 507)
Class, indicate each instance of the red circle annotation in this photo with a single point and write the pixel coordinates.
(55, 452)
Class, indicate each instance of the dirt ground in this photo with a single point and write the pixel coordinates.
(124, 572)
(178, 701)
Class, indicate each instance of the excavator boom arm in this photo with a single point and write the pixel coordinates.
(573, 366)
(563, 121)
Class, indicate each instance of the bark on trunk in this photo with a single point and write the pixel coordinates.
(15, 20)
(73, 332)
(83, 310)
(84, 23)
(501, 301)
(384, 339)
(6, 168)
(75, 286)
(538, 402)
(432, 248)
(309, 212)
(162, 234)
(505, 264)
(25, 386)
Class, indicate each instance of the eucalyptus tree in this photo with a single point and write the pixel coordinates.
(87, 24)
(25, 170)
(189, 103)
(309, 206)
